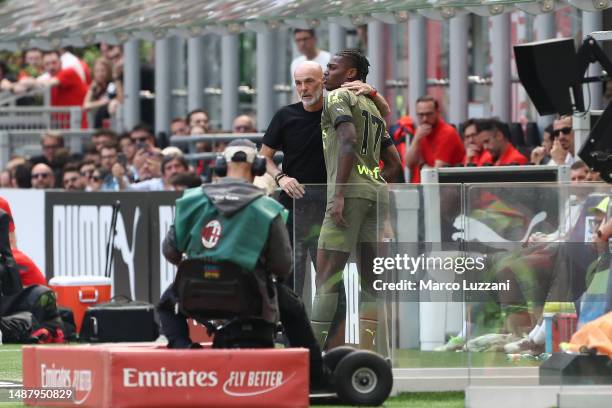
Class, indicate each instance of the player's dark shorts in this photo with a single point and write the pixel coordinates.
(364, 225)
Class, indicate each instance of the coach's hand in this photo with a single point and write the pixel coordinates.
(292, 187)
(336, 212)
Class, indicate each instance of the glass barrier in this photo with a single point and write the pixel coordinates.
(544, 277)
(481, 283)
(333, 266)
(421, 219)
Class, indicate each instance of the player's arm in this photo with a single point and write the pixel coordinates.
(338, 109)
(381, 103)
(347, 135)
(393, 164)
(346, 158)
(390, 158)
(361, 88)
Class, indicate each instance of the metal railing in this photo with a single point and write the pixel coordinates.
(24, 142)
(191, 141)
(40, 117)
(11, 99)
(214, 138)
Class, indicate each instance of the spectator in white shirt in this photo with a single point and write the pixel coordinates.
(306, 43)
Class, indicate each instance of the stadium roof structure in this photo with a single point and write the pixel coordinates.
(52, 23)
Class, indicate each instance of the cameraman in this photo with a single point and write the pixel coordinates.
(263, 238)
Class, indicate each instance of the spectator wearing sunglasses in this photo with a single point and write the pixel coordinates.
(562, 151)
(142, 135)
(42, 176)
(86, 169)
(143, 139)
(96, 180)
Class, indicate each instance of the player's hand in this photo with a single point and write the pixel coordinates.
(292, 187)
(558, 153)
(537, 154)
(422, 131)
(360, 88)
(336, 212)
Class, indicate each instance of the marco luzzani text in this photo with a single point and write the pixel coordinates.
(460, 265)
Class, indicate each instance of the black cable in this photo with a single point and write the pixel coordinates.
(110, 243)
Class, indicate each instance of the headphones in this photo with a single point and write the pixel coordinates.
(258, 167)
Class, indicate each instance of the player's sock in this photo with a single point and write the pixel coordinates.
(367, 334)
(323, 310)
(337, 331)
(368, 321)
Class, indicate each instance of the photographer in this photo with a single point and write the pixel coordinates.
(234, 203)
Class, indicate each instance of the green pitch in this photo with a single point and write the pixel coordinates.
(432, 359)
(10, 362)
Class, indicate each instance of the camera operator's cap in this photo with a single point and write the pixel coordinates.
(241, 145)
(601, 207)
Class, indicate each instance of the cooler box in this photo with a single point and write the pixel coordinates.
(80, 292)
(197, 332)
(560, 327)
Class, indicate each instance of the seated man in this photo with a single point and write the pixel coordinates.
(214, 220)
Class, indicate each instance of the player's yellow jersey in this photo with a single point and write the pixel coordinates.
(341, 105)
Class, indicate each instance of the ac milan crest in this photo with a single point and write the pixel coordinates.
(211, 234)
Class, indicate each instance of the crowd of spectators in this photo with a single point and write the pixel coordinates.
(130, 161)
(431, 142)
(134, 161)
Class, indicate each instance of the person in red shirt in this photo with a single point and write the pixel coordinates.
(67, 86)
(28, 271)
(496, 137)
(401, 132)
(475, 152)
(435, 143)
